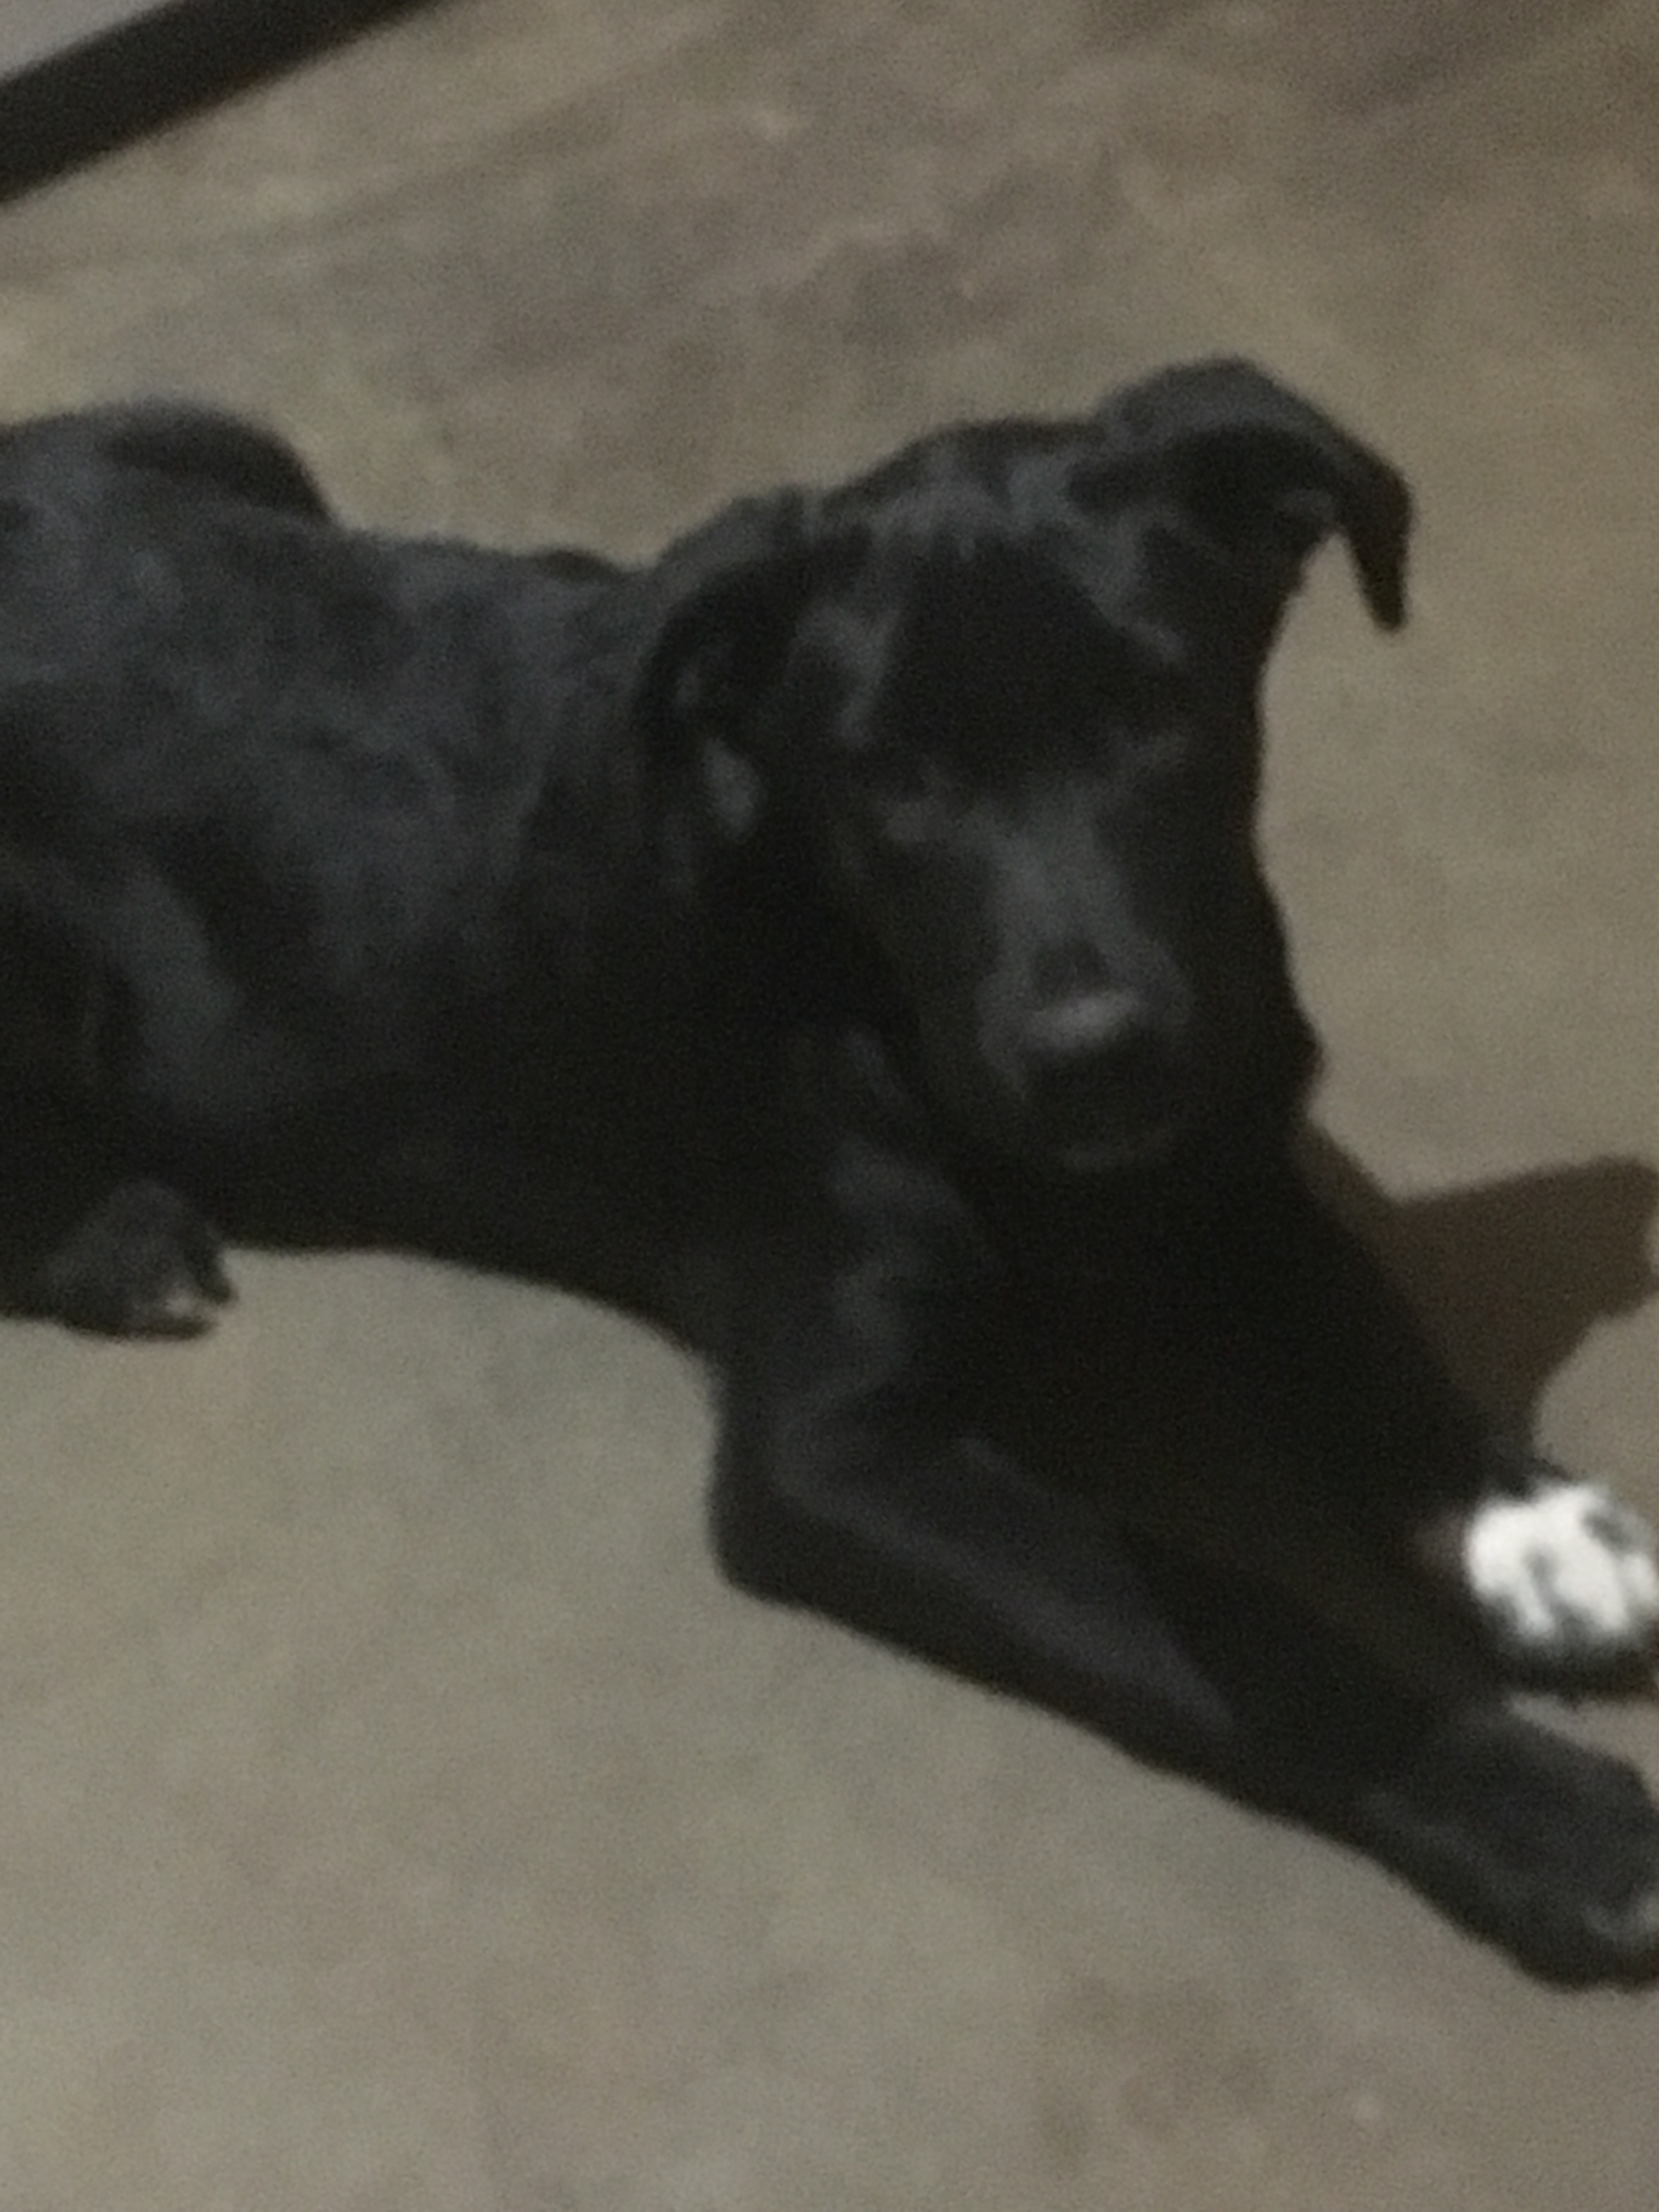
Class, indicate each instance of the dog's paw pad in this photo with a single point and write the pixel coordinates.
(1566, 1576)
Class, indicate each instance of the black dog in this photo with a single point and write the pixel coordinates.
(843, 939)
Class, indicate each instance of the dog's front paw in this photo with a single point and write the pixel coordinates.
(144, 1264)
(1565, 1578)
(1539, 1843)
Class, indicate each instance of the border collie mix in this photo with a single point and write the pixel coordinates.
(843, 939)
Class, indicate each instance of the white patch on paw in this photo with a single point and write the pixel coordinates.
(1567, 1573)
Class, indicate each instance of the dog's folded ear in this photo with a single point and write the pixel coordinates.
(1266, 473)
(726, 600)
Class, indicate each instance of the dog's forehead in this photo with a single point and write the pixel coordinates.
(1043, 478)
(982, 588)
(959, 490)
(983, 529)
(954, 641)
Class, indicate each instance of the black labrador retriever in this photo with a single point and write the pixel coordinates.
(843, 939)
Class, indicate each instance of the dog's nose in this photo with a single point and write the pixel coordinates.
(1088, 1025)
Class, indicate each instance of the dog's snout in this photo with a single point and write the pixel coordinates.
(1088, 1025)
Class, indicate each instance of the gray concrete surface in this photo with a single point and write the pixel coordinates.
(395, 1815)
(32, 28)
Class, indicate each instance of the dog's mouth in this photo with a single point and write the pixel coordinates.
(1121, 1152)
(1098, 1115)
(1079, 1135)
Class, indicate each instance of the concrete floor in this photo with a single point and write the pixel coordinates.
(395, 1815)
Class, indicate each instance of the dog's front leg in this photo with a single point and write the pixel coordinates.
(852, 1477)
(853, 1473)
(1558, 1579)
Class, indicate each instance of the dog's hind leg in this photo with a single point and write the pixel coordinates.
(208, 446)
(88, 1236)
(175, 438)
(89, 1239)
(143, 1262)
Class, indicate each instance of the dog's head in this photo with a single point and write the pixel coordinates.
(1005, 685)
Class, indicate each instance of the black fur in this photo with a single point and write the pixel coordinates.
(844, 940)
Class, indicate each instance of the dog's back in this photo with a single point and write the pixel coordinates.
(265, 776)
